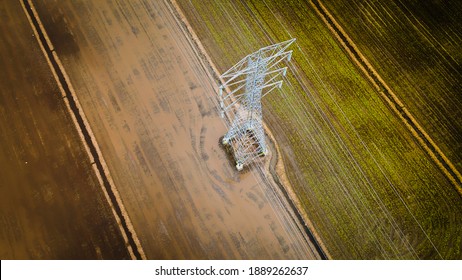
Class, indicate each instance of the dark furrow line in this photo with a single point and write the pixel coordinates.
(84, 130)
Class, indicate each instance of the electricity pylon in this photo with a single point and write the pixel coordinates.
(243, 87)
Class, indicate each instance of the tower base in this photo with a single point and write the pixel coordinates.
(239, 166)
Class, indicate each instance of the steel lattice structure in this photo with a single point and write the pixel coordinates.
(243, 86)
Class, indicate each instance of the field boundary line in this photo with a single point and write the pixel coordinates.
(87, 137)
(426, 142)
(281, 177)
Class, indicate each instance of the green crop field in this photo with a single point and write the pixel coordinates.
(368, 187)
(417, 48)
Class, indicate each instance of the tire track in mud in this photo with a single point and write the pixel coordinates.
(430, 147)
(272, 167)
(77, 114)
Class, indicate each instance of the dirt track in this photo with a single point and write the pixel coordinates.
(148, 102)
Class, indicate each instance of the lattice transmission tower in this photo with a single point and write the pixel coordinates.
(243, 86)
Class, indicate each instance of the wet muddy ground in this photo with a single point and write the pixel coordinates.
(149, 104)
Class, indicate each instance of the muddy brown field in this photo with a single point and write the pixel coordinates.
(149, 104)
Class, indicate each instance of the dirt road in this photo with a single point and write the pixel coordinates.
(51, 202)
(149, 104)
